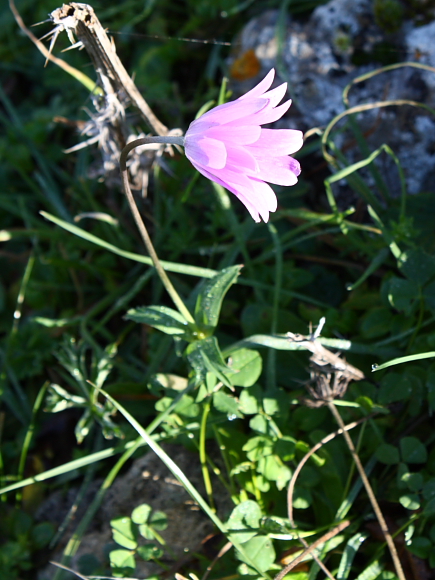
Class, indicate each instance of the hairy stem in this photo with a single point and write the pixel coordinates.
(140, 224)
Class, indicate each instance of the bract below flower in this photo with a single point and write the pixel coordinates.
(229, 146)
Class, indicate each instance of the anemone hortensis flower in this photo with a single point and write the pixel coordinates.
(228, 145)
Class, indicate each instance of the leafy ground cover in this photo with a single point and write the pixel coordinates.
(91, 344)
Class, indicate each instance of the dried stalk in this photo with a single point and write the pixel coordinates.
(295, 475)
(313, 546)
(370, 493)
(80, 20)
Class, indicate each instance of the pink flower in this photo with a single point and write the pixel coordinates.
(229, 146)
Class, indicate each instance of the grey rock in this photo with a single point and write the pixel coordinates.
(147, 481)
(317, 59)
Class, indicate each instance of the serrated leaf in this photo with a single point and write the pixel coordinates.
(247, 365)
(209, 300)
(163, 318)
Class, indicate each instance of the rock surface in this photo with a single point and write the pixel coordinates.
(320, 57)
(147, 481)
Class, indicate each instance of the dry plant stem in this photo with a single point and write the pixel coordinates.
(313, 546)
(140, 224)
(39, 45)
(81, 20)
(370, 493)
(313, 450)
(293, 483)
(221, 553)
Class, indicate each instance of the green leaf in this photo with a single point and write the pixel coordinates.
(149, 552)
(429, 489)
(159, 521)
(387, 454)
(42, 534)
(420, 547)
(417, 266)
(122, 562)
(285, 448)
(301, 498)
(349, 554)
(205, 356)
(247, 365)
(226, 404)
(250, 400)
(163, 318)
(209, 300)
(59, 399)
(402, 293)
(244, 521)
(260, 424)
(272, 469)
(141, 513)
(124, 533)
(410, 501)
(413, 481)
(413, 451)
(394, 387)
(258, 447)
(429, 508)
(261, 552)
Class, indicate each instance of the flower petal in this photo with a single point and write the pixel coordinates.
(261, 88)
(232, 111)
(237, 135)
(205, 151)
(278, 142)
(279, 170)
(260, 195)
(276, 95)
(267, 115)
(240, 159)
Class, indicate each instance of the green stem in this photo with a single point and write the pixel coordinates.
(28, 438)
(271, 359)
(203, 454)
(140, 224)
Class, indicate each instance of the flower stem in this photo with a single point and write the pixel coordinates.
(140, 224)
(370, 493)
